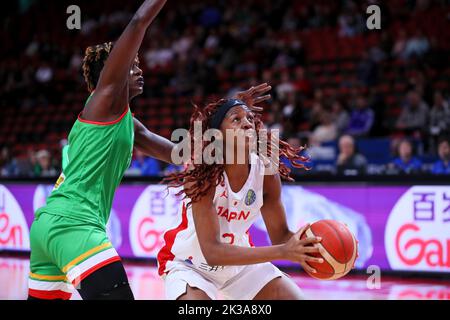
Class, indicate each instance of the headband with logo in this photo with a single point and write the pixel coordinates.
(221, 112)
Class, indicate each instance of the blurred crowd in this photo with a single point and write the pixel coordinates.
(200, 49)
(37, 164)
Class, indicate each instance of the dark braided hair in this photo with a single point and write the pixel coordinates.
(199, 178)
(93, 62)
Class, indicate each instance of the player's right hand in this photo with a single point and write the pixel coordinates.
(254, 96)
(298, 250)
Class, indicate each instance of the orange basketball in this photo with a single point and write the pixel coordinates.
(340, 249)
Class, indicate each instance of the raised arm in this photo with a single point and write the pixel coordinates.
(218, 253)
(152, 144)
(111, 93)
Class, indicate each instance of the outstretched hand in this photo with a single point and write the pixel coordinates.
(254, 96)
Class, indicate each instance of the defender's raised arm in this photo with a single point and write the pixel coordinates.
(111, 92)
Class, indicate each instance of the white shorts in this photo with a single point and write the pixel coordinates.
(243, 286)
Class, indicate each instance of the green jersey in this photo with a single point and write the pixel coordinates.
(98, 155)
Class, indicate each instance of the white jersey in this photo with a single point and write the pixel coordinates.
(236, 212)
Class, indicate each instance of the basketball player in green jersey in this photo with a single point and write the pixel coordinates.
(69, 245)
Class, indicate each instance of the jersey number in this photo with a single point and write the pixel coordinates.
(229, 235)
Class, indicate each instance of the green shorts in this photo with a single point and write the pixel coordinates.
(64, 251)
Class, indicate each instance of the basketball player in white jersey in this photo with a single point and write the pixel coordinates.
(208, 253)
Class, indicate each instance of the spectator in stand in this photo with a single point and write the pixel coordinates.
(361, 118)
(442, 166)
(145, 166)
(418, 81)
(439, 118)
(340, 116)
(386, 43)
(159, 55)
(274, 121)
(172, 168)
(44, 166)
(417, 45)
(292, 114)
(318, 103)
(290, 106)
(414, 114)
(210, 17)
(349, 162)
(44, 73)
(8, 167)
(25, 165)
(367, 70)
(326, 131)
(399, 47)
(377, 54)
(182, 45)
(76, 61)
(350, 21)
(285, 87)
(406, 162)
(318, 95)
(301, 83)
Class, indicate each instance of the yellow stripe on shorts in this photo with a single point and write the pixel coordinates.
(49, 278)
(86, 255)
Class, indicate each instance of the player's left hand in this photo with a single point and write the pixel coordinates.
(254, 96)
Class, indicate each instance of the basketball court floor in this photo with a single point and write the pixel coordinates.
(147, 285)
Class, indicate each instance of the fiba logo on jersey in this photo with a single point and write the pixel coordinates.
(250, 197)
(14, 234)
(417, 236)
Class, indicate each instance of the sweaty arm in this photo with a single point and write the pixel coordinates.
(287, 246)
(111, 93)
(217, 253)
(151, 144)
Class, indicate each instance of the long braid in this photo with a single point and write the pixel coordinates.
(197, 180)
(93, 62)
(284, 149)
(199, 177)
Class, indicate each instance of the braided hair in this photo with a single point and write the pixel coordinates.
(199, 178)
(93, 62)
